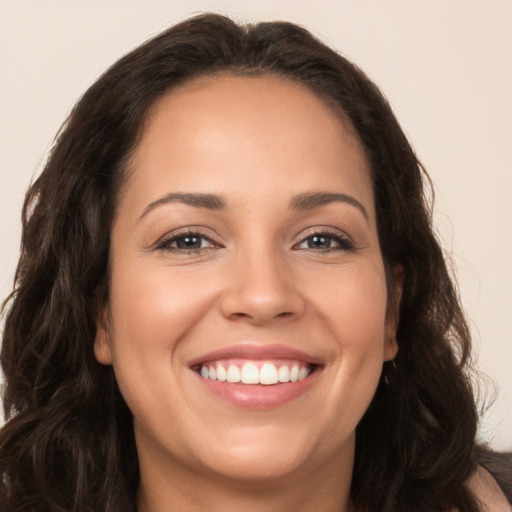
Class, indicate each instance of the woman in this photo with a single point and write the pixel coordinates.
(230, 297)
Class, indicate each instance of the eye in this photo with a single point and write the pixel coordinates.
(326, 241)
(186, 242)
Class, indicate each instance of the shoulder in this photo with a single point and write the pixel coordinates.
(488, 492)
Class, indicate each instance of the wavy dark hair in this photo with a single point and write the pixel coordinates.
(68, 442)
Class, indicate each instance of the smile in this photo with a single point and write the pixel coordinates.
(256, 372)
(257, 376)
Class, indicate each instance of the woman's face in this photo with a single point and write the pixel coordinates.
(245, 247)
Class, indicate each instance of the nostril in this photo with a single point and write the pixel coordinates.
(240, 315)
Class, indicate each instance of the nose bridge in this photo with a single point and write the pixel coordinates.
(261, 286)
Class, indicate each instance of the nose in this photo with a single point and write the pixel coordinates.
(261, 288)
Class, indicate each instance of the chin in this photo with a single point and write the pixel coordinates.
(263, 465)
(262, 453)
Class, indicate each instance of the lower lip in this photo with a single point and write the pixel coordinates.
(259, 396)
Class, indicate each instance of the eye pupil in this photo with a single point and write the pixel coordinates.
(319, 242)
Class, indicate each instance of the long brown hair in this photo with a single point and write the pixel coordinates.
(68, 442)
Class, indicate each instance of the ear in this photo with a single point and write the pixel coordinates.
(393, 312)
(102, 349)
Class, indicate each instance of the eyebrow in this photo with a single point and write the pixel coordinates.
(306, 201)
(210, 201)
(312, 200)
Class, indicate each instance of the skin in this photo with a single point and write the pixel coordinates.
(257, 142)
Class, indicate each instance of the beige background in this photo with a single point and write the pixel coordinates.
(445, 65)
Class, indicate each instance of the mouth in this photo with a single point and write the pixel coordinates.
(257, 376)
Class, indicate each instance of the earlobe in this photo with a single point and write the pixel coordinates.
(393, 313)
(391, 348)
(102, 350)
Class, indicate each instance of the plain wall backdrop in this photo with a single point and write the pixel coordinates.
(445, 66)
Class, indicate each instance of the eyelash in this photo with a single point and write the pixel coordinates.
(344, 243)
(166, 243)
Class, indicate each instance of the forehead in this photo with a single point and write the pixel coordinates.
(227, 133)
(262, 101)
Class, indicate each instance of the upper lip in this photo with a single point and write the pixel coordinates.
(255, 352)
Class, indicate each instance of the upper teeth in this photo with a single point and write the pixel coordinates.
(249, 373)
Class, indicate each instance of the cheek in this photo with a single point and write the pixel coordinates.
(353, 304)
(153, 308)
(354, 318)
(150, 315)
